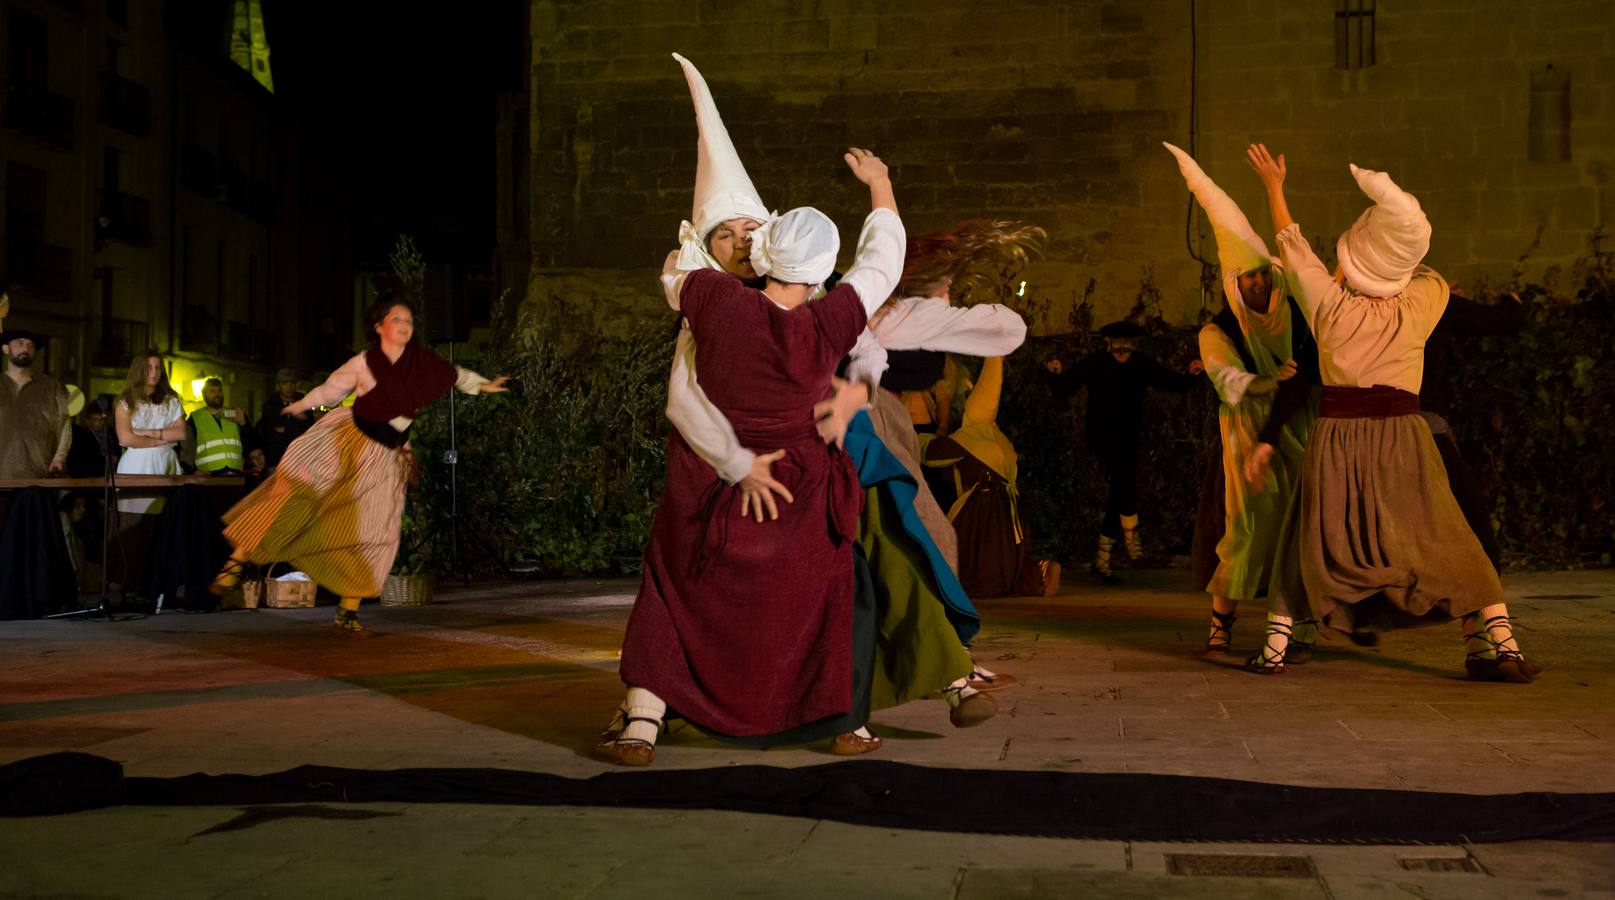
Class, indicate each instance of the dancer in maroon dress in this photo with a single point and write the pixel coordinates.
(744, 627)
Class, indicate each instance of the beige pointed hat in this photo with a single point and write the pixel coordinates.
(1239, 247)
(723, 190)
(1381, 249)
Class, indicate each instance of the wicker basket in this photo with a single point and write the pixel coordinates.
(287, 594)
(246, 595)
(408, 590)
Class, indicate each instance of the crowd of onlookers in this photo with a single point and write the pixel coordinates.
(50, 430)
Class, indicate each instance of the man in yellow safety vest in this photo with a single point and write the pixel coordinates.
(216, 431)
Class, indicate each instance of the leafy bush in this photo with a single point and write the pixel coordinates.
(562, 474)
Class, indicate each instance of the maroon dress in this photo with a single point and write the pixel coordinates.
(745, 629)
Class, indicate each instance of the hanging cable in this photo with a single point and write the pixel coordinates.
(1194, 128)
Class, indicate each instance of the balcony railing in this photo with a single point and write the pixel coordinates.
(35, 112)
(123, 217)
(118, 340)
(40, 270)
(125, 105)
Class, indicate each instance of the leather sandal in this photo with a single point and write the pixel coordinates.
(1270, 661)
(854, 744)
(228, 578)
(1221, 639)
(984, 682)
(1508, 666)
(969, 710)
(347, 620)
(1299, 653)
(614, 748)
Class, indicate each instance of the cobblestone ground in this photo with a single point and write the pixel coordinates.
(522, 676)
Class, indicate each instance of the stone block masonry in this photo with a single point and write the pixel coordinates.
(1053, 113)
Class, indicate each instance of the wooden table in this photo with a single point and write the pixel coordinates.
(144, 482)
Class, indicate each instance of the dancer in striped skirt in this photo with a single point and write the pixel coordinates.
(333, 506)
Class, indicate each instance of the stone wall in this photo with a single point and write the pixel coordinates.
(1053, 113)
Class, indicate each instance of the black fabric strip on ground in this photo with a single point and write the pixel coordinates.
(882, 794)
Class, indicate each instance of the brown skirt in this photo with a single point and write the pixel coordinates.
(1374, 538)
(332, 509)
(895, 428)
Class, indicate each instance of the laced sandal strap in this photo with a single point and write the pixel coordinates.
(1267, 643)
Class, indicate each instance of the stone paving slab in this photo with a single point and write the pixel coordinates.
(521, 676)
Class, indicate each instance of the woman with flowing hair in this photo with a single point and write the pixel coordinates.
(974, 260)
(150, 420)
(333, 506)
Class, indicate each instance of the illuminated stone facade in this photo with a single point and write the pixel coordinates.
(1054, 113)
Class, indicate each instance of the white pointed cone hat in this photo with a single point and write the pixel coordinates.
(723, 190)
(1239, 247)
(1379, 252)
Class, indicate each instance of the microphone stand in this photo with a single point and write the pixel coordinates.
(109, 493)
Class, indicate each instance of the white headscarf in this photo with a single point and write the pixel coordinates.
(723, 190)
(799, 247)
(1381, 249)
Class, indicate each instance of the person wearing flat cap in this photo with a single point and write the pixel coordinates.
(1113, 425)
(1378, 540)
(276, 430)
(35, 429)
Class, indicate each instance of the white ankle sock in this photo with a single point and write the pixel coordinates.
(1276, 642)
(864, 733)
(956, 692)
(642, 704)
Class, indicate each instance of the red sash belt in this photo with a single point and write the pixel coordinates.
(1378, 402)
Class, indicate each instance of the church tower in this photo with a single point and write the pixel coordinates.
(249, 45)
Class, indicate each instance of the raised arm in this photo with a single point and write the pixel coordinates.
(882, 242)
(931, 323)
(981, 407)
(1271, 172)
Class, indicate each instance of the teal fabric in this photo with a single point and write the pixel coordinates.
(877, 467)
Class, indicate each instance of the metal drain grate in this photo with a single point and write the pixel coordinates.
(1439, 864)
(1229, 865)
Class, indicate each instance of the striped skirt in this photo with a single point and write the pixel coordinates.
(332, 509)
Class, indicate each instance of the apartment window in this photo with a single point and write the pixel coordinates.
(117, 53)
(28, 49)
(1354, 34)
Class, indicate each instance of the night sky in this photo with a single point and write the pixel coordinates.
(407, 95)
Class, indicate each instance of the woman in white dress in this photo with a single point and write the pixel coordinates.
(150, 421)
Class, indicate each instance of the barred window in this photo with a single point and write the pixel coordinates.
(1354, 34)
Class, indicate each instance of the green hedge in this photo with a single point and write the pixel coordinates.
(562, 475)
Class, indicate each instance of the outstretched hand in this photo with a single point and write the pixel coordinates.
(865, 165)
(1271, 171)
(758, 488)
(496, 386)
(835, 414)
